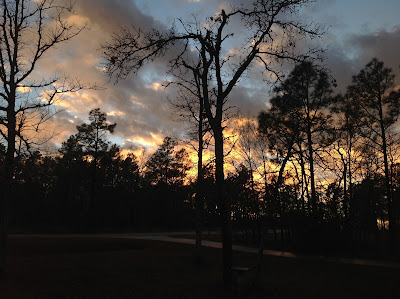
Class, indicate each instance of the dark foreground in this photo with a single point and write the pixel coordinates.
(104, 267)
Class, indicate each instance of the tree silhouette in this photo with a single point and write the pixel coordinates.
(220, 69)
(280, 125)
(348, 145)
(91, 142)
(29, 29)
(297, 116)
(308, 91)
(167, 165)
(129, 176)
(92, 136)
(190, 107)
(246, 147)
(71, 150)
(379, 111)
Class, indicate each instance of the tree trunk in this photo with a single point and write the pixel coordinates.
(387, 179)
(304, 178)
(350, 175)
(199, 193)
(9, 177)
(386, 164)
(391, 224)
(345, 197)
(225, 209)
(3, 227)
(312, 174)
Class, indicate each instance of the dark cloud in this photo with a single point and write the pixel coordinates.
(134, 104)
(349, 57)
(341, 67)
(140, 107)
(249, 101)
(109, 15)
(382, 44)
(319, 6)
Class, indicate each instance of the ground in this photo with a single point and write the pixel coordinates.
(109, 267)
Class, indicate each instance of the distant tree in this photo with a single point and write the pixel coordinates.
(307, 92)
(28, 167)
(129, 175)
(348, 145)
(72, 167)
(92, 136)
(379, 104)
(29, 30)
(246, 147)
(333, 210)
(280, 126)
(108, 167)
(167, 165)
(180, 167)
(369, 198)
(71, 150)
(91, 142)
(240, 186)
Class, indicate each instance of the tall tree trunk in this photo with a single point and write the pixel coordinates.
(279, 183)
(304, 178)
(386, 165)
(345, 197)
(3, 228)
(301, 183)
(350, 175)
(312, 174)
(225, 208)
(199, 193)
(391, 225)
(8, 191)
(387, 179)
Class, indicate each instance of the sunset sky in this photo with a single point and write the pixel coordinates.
(357, 31)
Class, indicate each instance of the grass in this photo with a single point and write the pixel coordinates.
(70, 267)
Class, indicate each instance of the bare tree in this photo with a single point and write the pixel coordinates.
(28, 30)
(190, 107)
(271, 38)
(245, 146)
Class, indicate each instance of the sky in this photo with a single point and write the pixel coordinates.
(357, 31)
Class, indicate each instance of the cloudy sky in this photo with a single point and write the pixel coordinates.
(358, 30)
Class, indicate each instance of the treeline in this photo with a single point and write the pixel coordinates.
(91, 186)
(327, 163)
(317, 170)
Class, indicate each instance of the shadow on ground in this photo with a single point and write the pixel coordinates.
(108, 267)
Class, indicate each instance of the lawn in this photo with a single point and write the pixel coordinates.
(110, 267)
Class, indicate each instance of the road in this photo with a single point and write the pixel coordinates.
(166, 237)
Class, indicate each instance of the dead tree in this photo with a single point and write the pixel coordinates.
(28, 30)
